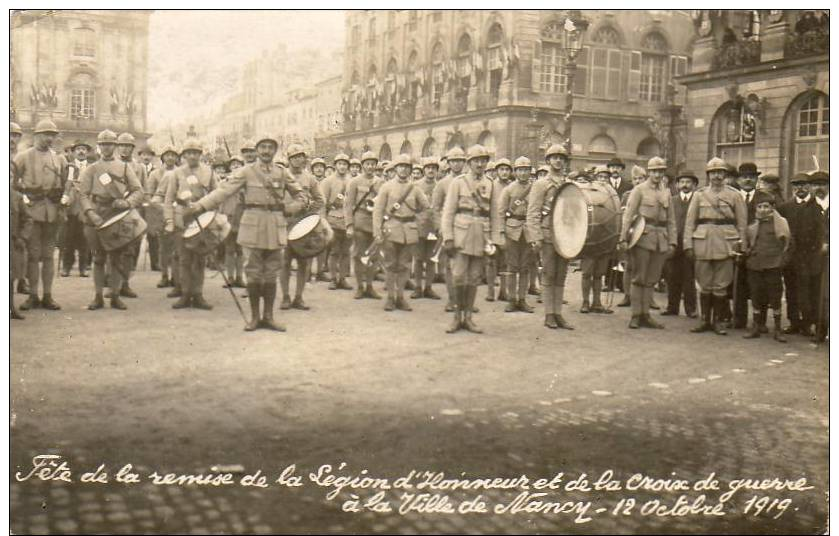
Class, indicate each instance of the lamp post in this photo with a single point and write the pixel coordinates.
(572, 41)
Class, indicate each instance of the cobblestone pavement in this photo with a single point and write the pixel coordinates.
(182, 391)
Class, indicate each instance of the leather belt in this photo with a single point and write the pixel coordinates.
(656, 223)
(481, 213)
(404, 219)
(516, 217)
(270, 208)
(716, 221)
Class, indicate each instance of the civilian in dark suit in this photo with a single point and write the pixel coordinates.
(680, 278)
(820, 186)
(746, 180)
(622, 186)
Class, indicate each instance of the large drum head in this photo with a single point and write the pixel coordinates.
(115, 219)
(303, 227)
(570, 220)
(204, 219)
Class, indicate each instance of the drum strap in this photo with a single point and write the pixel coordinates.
(361, 201)
(402, 199)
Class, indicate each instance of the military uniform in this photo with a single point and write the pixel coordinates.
(361, 192)
(269, 193)
(40, 176)
(156, 186)
(232, 207)
(74, 239)
(470, 224)
(519, 255)
(395, 225)
(197, 182)
(423, 268)
(107, 187)
(20, 227)
(438, 200)
(334, 189)
(715, 226)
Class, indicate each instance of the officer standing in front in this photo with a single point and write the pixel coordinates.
(519, 255)
(456, 159)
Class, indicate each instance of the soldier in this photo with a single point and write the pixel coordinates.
(416, 171)
(539, 226)
(318, 169)
(820, 184)
(395, 229)
(355, 167)
(74, 239)
(40, 172)
(542, 172)
(715, 226)
(269, 193)
(248, 151)
(312, 205)
(358, 213)
(188, 183)
(471, 230)
(490, 170)
(497, 263)
(680, 278)
(456, 159)
(20, 228)
(156, 186)
(595, 267)
(125, 147)
(427, 239)
(108, 187)
(15, 134)
(519, 255)
(147, 159)
(639, 175)
(652, 202)
(232, 207)
(334, 193)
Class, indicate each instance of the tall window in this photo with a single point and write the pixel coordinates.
(413, 68)
(606, 60)
(82, 103)
(653, 67)
(437, 72)
(494, 60)
(811, 134)
(552, 76)
(734, 133)
(84, 42)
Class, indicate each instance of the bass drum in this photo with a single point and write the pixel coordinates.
(206, 233)
(586, 220)
(121, 230)
(310, 236)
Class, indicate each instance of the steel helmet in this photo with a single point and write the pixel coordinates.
(46, 126)
(503, 162)
(477, 151)
(522, 162)
(490, 165)
(638, 171)
(339, 157)
(316, 161)
(430, 161)
(235, 158)
(402, 160)
(556, 149)
(656, 162)
(455, 153)
(106, 136)
(368, 155)
(126, 139)
(14, 128)
(248, 145)
(355, 162)
(192, 144)
(264, 137)
(146, 149)
(386, 165)
(295, 149)
(546, 169)
(715, 164)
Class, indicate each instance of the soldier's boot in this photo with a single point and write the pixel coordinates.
(32, 302)
(164, 281)
(371, 292)
(254, 294)
(418, 273)
(511, 286)
(457, 317)
(390, 287)
(127, 292)
(754, 333)
(117, 303)
(720, 308)
(635, 322)
(646, 320)
(176, 292)
(451, 295)
(409, 285)
(298, 303)
(49, 304)
(22, 286)
(198, 302)
(430, 294)
(285, 304)
(342, 284)
(585, 283)
(269, 295)
(523, 306)
(401, 303)
(558, 297)
(548, 301)
(97, 303)
(778, 334)
(705, 301)
(184, 301)
(471, 292)
(502, 288)
(512, 306)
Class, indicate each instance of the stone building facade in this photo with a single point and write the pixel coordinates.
(758, 90)
(87, 70)
(422, 81)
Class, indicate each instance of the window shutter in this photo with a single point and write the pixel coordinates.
(634, 86)
(613, 77)
(599, 64)
(581, 76)
(626, 59)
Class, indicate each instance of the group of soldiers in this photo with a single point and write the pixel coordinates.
(461, 218)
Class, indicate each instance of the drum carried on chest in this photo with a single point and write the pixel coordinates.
(586, 220)
(310, 236)
(206, 233)
(121, 230)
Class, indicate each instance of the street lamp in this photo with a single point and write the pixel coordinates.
(572, 41)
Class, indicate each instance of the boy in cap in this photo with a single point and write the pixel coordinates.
(767, 242)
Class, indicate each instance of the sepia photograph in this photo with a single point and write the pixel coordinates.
(419, 271)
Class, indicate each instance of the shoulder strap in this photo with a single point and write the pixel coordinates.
(360, 201)
(402, 198)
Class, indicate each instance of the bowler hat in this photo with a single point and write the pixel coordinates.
(687, 174)
(748, 168)
(820, 177)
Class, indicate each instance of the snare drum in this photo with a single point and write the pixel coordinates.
(122, 230)
(586, 220)
(206, 233)
(310, 236)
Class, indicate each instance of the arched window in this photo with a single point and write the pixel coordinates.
(602, 144)
(653, 67)
(648, 148)
(429, 148)
(84, 42)
(390, 82)
(456, 140)
(487, 139)
(464, 56)
(371, 74)
(733, 133)
(413, 71)
(551, 62)
(807, 129)
(406, 148)
(495, 62)
(384, 152)
(82, 97)
(606, 63)
(436, 73)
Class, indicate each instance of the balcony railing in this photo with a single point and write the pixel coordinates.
(738, 54)
(809, 43)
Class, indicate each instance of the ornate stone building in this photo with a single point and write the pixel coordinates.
(758, 90)
(84, 69)
(422, 81)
